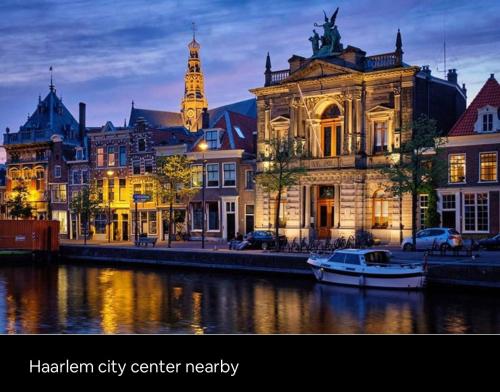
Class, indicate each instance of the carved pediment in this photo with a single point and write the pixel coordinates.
(380, 109)
(280, 121)
(318, 68)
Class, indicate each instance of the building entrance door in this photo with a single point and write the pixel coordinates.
(125, 227)
(326, 211)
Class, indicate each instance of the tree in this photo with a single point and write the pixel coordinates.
(431, 216)
(281, 170)
(416, 165)
(86, 205)
(174, 178)
(18, 204)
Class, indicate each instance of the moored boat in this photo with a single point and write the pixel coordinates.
(367, 268)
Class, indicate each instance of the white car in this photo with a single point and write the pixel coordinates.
(439, 236)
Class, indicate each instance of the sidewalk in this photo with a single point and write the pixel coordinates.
(483, 256)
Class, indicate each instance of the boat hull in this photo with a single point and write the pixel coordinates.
(410, 280)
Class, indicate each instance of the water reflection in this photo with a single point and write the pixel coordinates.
(77, 299)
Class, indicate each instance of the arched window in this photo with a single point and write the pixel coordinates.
(26, 173)
(330, 112)
(380, 210)
(14, 174)
(331, 131)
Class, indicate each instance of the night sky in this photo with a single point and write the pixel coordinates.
(108, 53)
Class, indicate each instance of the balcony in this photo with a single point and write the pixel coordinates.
(278, 76)
(381, 61)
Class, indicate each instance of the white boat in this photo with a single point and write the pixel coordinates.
(367, 268)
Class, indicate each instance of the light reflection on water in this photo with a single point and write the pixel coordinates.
(79, 299)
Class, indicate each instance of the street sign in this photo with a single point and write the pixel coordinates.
(138, 198)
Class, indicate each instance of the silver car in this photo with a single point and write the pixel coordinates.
(441, 237)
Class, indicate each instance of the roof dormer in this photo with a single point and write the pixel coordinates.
(487, 120)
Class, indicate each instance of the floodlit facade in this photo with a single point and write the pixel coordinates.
(349, 111)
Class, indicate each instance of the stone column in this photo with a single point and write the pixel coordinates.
(396, 140)
(363, 120)
(357, 123)
(308, 207)
(336, 218)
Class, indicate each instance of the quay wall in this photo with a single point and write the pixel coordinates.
(440, 273)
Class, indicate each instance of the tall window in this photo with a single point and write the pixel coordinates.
(229, 174)
(100, 223)
(57, 171)
(249, 179)
(148, 189)
(213, 215)
(40, 175)
(456, 168)
(141, 145)
(488, 166)
(100, 192)
(77, 177)
(476, 212)
(148, 167)
(197, 216)
(111, 189)
(487, 122)
(211, 137)
(123, 156)
(136, 167)
(58, 193)
(380, 130)
(424, 204)
(111, 156)
(197, 176)
(100, 157)
(85, 177)
(213, 174)
(122, 189)
(380, 210)
(137, 189)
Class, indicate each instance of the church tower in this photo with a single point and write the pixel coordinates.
(194, 100)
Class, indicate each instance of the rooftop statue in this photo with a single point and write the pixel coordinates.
(330, 41)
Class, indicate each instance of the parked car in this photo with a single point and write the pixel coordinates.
(441, 236)
(491, 243)
(263, 239)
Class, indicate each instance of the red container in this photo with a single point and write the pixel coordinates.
(36, 235)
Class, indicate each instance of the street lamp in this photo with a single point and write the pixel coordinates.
(110, 175)
(203, 146)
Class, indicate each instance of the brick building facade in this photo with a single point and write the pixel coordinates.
(469, 200)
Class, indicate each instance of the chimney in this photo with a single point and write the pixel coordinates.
(205, 119)
(492, 76)
(452, 76)
(426, 70)
(82, 121)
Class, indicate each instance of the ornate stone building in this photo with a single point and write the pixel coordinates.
(349, 111)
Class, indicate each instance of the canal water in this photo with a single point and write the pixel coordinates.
(89, 299)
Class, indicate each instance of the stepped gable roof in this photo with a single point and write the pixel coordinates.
(488, 95)
(239, 131)
(156, 118)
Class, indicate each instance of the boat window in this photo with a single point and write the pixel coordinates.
(337, 258)
(377, 258)
(351, 259)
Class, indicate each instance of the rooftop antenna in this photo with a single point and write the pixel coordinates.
(445, 65)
